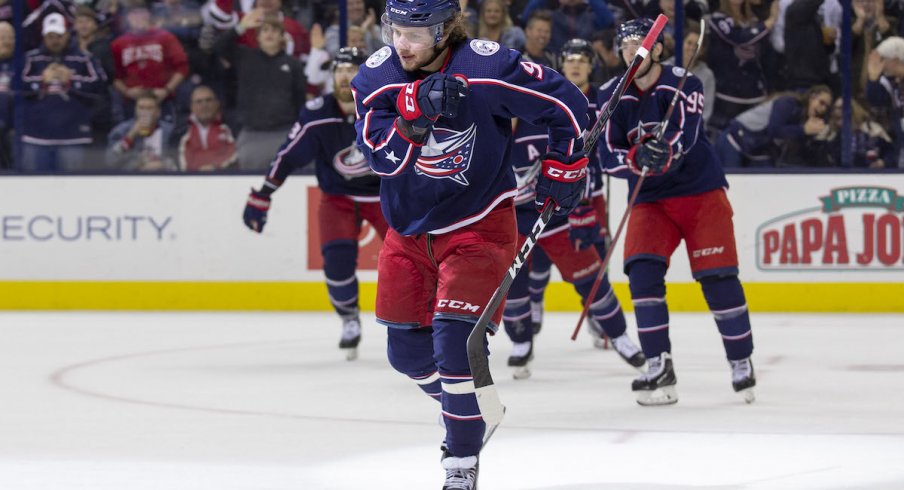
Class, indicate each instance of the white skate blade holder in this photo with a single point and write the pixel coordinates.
(666, 395)
(521, 372)
(748, 395)
(351, 353)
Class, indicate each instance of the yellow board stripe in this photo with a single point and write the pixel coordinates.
(309, 296)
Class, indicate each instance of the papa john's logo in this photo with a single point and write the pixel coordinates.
(855, 228)
(447, 154)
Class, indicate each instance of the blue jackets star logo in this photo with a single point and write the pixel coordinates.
(447, 154)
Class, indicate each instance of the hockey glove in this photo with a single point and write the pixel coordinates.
(256, 208)
(422, 102)
(583, 227)
(562, 180)
(652, 153)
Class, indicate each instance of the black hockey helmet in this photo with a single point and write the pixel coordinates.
(635, 29)
(577, 46)
(348, 55)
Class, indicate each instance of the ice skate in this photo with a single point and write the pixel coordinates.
(657, 385)
(629, 351)
(743, 378)
(600, 340)
(536, 316)
(461, 473)
(522, 354)
(351, 337)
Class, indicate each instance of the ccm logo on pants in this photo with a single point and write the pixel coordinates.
(704, 252)
(458, 305)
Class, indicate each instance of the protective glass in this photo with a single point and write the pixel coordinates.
(408, 37)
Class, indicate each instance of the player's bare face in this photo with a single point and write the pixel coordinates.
(342, 81)
(577, 69)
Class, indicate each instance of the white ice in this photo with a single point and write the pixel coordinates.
(266, 401)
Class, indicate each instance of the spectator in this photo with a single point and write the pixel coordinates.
(494, 24)
(182, 18)
(147, 58)
(871, 146)
(32, 25)
(809, 44)
(610, 65)
(734, 58)
(357, 17)
(885, 72)
(536, 39)
(142, 143)
(700, 68)
(271, 87)
(7, 47)
(206, 144)
(91, 40)
(469, 17)
(574, 18)
(61, 84)
(756, 138)
(870, 27)
(693, 10)
(222, 15)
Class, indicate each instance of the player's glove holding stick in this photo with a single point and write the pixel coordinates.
(654, 154)
(422, 102)
(562, 179)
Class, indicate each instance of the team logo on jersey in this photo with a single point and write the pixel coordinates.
(484, 48)
(447, 154)
(678, 71)
(379, 57)
(351, 163)
(526, 180)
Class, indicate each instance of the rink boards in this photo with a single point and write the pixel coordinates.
(805, 242)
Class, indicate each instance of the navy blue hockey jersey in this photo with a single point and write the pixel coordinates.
(463, 170)
(326, 135)
(695, 168)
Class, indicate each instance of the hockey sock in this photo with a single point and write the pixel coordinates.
(339, 260)
(410, 352)
(516, 317)
(725, 297)
(605, 308)
(647, 282)
(464, 424)
(539, 274)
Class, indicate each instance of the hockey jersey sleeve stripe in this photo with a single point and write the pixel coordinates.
(384, 88)
(370, 144)
(277, 162)
(491, 81)
(476, 217)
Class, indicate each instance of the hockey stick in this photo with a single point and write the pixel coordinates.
(659, 134)
(491, 408)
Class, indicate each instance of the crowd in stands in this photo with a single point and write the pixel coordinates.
(206, 85)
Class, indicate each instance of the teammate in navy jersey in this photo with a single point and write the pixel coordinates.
(683, 197)
(574, 244)
(434, 118)
(325, 133)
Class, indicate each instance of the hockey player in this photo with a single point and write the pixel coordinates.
(325, 132)
(434, 118)
(574, 244)
(683, 198)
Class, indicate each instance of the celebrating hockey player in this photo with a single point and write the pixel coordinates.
(434, 118)
(325, 132)
(574, 243)
(683, 197)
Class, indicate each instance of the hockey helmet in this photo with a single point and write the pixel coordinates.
(577, 46)
(418, 23)
(635, 29)
(348, 55)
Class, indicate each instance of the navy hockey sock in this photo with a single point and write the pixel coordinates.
(516, 317)
(725, 297)
(605, 308)
(339, 261)
(410, 352)
(647, 282)
(464, 424)
(540, 266)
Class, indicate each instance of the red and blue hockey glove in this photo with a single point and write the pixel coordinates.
(562, 180)
(422, 102)
(256, 208)
(583, 227)
(652, 153)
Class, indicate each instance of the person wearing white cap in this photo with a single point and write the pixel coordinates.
(885, 88)
(61, 84)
